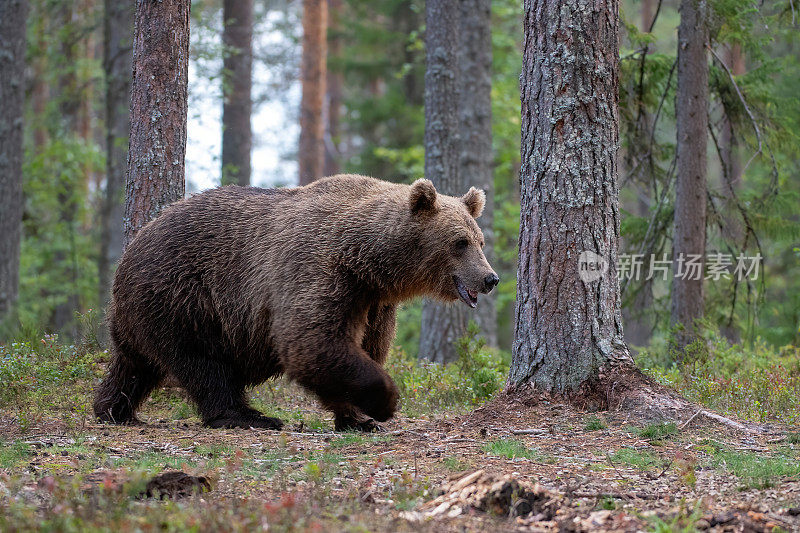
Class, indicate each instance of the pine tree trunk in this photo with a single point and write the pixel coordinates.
(731, 179)
(568, 331)
(63, 317)
(475, 126)
(311, 149)
(117, 52)
(442, 324)
(691, 103)
(157, 146)
(333, 86)
(237, 36)
(13, 16)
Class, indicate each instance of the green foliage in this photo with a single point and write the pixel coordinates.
(759, 382)
(426, 387)
(38, 378)
(12, 454)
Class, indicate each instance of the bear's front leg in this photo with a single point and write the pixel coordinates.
(345, 379)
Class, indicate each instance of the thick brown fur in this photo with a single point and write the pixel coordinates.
(233, 286)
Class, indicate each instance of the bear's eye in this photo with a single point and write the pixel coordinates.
(461, 245)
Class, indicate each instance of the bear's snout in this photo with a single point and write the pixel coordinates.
(490, 282)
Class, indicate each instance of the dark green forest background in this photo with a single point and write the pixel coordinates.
(754, 115)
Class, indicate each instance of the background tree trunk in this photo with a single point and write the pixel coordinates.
(475, 127)
(690, 190)
(568, 330)
(237, 81)
(442, 324)
(13, 16)
(637, 312)
(157, 146)
(311, 150)
(731, 179)
(117, 51)
(333, 86)
(69, 96)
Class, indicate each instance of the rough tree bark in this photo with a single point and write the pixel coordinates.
(689, 238)
(568, 327)
(117, 51)
(311, 149)
(568, 337)
(475, 128)
(237, 36)
(333, 87)
(442, 324)
(157, 145)
(13, 15)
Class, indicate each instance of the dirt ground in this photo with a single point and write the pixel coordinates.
(507, 466)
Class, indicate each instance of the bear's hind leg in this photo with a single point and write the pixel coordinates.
(131, 378)
(220, 398)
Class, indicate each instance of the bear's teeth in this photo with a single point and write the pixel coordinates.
(473, 294)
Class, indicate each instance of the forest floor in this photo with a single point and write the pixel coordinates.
(507, 466)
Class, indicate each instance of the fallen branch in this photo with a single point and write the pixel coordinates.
(532, 431)
(683, 426)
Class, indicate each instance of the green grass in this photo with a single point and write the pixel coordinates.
(512, 449)
(350, 439)
(454, 464)
(594, 423)
(757, 470)
(657, 432)
(643, 460)
(12, 454)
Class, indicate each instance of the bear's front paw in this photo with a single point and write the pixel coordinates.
(379, 399)
(245, 421)
(352, 419)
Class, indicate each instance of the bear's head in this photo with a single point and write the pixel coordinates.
(452, 243)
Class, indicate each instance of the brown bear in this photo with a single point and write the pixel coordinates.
(235, 285)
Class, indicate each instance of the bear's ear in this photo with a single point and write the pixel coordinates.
(475, 200)
(423, 197)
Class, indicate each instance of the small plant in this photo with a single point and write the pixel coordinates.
(508, 448)
(607, 503)
(454, 464)
(643, 460)
(594, 423)
(681, 522)
(657, 432)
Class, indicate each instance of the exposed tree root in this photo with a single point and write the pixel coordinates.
(626, 389)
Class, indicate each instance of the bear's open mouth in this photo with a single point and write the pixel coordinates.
(469, 297)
